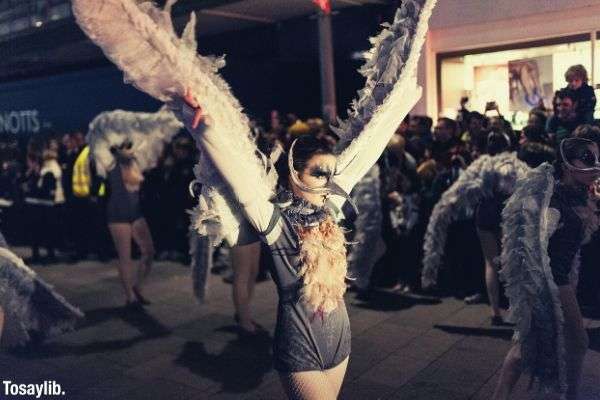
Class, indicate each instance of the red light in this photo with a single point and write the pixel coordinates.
(324, 5)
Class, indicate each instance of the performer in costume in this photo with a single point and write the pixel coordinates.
(480, 187)
(312, 340)
(123, 145)
(545, 221)
(29, 308)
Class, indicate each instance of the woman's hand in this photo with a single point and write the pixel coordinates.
(191, 102)
(188, 110)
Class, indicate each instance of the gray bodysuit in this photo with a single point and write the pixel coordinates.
(304, 340)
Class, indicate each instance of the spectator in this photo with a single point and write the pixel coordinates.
(498, 142)
(562, 124)
(537, 119)
(583, 94)
(34, 209)
(446, 147)
(68, 153)
(88, 208)
(419, 136)
(403, 127)
(400, 201)
(475, 136)
(534, 134)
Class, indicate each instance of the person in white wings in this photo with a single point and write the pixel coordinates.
(124, 144)
(312, 335)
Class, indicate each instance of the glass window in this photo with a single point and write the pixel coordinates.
(517, 79)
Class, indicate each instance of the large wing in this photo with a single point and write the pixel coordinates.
(141, 41)
(535, 308)
(390, 91)
(147, 131)
(482, 179)
(30, 304)
(367, 246)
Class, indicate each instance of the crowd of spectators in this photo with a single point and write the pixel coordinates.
(52, 199)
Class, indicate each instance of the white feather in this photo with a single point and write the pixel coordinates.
(147, 131)
(141, 41)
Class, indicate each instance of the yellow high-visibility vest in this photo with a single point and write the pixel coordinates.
(82, 178)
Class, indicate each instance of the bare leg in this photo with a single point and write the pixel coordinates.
(576, 339)
(491, 250)
(511, 371)
(244, 260)
(307, 385)
(254, 262)
(336, 375)
(121, 234)
(143, 238)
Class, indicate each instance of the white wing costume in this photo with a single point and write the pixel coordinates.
(485, 177)
(33, 310)
(140, 39)
(148, 132)
(368, 246)
(528, 223)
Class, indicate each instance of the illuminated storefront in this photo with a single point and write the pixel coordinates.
(517, 77)
(512, 52)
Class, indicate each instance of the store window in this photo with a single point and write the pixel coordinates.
(517, 78)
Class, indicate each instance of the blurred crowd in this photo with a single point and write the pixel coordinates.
(52, 200)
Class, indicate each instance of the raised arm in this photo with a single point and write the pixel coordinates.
(251, 197)
(390, 92)
(141, 40)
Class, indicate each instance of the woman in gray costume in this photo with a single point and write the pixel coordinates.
(312, 335)
(551, 213)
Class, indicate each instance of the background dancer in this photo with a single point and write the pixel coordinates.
(124, 144)
(540, 261)
(308, 246)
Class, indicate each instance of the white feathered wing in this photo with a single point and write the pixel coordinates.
(141, 41)
(148, 132)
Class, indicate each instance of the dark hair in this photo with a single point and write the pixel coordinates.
(475, 115)
(497, 142)
(534, 154)
(306, 147)
(589, 132)
(535, 134)
(450, 123)
(565, 93)
(424, 121)
(539, 114)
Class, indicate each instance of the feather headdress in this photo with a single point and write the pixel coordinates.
(485, 177)
(148, 133)
(141, 41)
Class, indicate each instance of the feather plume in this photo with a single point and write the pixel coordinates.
(368, 246)
(141, 41)
(485, 177)
(30, 304)
(535, 307)
(148, 133)
(391, 88)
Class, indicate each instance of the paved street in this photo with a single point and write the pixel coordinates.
(402, 347)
